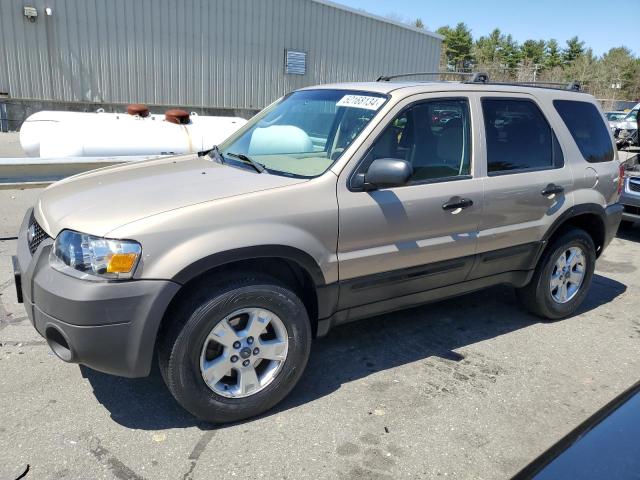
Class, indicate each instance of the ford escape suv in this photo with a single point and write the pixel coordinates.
(334, 203)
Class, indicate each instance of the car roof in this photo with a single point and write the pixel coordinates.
(412, 88)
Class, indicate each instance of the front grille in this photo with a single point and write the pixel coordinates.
(632, 210)
(35, 234)
(634, 185)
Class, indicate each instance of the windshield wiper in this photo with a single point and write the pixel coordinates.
(243, 158)
(214, 153)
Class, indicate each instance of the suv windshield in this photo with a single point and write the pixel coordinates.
(303, 134)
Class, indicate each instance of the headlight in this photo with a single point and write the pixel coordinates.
(83, 255)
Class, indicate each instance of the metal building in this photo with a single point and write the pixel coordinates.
(222, 54)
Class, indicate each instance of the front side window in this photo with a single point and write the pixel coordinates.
(587, 129)
(306, 132)
(518, 136)
(433, 136)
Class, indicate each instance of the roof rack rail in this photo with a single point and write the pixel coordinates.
(574, 86)
(475, 77)
(481, 77)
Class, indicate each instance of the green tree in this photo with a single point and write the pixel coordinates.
(614, 75)
(418, 23)
(510, 54)
(486, 50)
(456, 46)
(574, 49)
(587, 70)
(631, 81)
(534, 51)
(553, 57)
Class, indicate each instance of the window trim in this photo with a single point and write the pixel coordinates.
(554, 139)
(467, 99)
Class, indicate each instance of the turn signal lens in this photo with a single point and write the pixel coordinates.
(621, 179)
(121, 262)
(87, 256)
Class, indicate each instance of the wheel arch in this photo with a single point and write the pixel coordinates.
(291, 266)
(588, 217)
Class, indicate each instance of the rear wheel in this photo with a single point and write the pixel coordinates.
(562, 277)
(235, 349)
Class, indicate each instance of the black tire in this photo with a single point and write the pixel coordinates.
(180, 345)
(536, 296)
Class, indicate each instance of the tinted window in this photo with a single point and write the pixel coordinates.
(587, 129)
(433, 136)
(518, 136)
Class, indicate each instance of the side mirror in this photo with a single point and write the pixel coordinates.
(384, 173)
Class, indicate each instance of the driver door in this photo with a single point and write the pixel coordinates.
(402, 241)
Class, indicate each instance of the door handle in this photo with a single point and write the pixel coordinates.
(457, 203)
(552, 189)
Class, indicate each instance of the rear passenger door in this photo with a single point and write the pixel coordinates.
(527, 184)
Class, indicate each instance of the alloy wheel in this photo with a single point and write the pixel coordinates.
(244, 352)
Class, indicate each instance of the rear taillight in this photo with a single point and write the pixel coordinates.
(621, 179)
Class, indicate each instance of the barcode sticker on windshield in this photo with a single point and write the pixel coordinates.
(360, 101)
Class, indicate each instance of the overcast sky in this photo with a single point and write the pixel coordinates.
(601, 24)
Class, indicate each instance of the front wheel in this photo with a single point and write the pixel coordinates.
(562, 277)
(235, 350)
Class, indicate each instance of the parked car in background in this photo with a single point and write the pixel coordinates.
(614, 117)
(630, 197)
(605, 446)
(335, 203)
(629, 124)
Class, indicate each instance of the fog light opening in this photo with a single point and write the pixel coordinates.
(58, 343)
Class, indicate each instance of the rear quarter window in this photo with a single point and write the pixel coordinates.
(587, 129)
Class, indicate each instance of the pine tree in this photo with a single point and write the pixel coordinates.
(574, 49)
(456, 46)
(553, 57)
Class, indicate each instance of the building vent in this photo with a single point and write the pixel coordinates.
(295, 62)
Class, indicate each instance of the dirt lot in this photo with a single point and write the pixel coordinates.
(467, 388)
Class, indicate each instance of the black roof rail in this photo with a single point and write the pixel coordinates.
(473, 75)
(573, 86)
(481, 77)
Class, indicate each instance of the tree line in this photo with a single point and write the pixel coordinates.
(613, 76)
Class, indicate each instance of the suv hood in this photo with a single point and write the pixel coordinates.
(99, 201)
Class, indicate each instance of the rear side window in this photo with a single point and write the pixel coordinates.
(519, 137)
(587, 129)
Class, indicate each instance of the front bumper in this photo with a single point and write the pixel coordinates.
(630, 199)
(108, 326)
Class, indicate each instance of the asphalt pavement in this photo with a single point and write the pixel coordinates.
(470, 388)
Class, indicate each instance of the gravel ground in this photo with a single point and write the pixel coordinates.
(466, 388)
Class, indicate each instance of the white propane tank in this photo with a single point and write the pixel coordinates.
(75, 134)
(36, 125)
